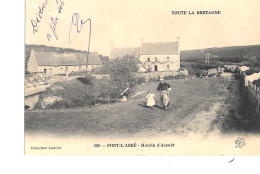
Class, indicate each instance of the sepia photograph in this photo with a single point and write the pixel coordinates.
(142, 77)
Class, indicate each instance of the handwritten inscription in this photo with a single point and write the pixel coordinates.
(60, 5)
(53, 25)
(75, 22)
(78, 24)
(38, 17)
(54, 21)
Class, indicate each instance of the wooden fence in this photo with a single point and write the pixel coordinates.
(35, 79)
(251, 93)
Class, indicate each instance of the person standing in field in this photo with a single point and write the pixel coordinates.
(125, 93)
(164, 89)
(236, 73)
(150, 100)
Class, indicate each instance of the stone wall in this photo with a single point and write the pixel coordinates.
(156, 74)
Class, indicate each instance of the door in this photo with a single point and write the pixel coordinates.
(168, 67)
(80, 69)
(45, 71)
(155, 68)
(50, 71)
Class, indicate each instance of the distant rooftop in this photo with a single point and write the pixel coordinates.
(159, 48)
(121, 52)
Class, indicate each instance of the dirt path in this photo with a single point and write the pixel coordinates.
(196, 106)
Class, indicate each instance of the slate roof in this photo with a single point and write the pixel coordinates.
(160, 48)
(63, 59)
(121, 52)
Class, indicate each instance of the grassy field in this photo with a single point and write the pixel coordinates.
(197, 106)
(72, 93)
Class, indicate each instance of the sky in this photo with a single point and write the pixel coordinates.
(125, 22)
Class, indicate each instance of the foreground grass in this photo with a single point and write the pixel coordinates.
(193, 107)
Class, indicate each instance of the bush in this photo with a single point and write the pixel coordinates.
(86, 80)
(254, 61)
(202, 73)
(178, 76)
(123, 71)
(100, 70)
(139, 80)
(148, 70)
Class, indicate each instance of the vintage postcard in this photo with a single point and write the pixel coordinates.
(141, 77)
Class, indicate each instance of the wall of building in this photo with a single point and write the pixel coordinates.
(32, 65)
(91, 67)
(54, 70)
(163, 62)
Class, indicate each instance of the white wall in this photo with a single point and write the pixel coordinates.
(32, 65)
(54, 70)
(162, 62)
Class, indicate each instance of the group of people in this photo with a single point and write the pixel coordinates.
(163, 88)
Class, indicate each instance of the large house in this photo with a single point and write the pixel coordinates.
(162, 56)
(52, 63)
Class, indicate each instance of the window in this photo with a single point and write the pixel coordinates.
(149, 67)
(168, 58)
(168, 67)
(155, 59)
(148, 59)
(155, 68)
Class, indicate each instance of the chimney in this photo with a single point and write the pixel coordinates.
(111, 51)
(140, 51)
(112, 46)
(178, 40)
(178, 44)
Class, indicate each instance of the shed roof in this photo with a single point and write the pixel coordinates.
(59, 59)
(93, 59)
(121, 52)
(252, 70)
(160, 48)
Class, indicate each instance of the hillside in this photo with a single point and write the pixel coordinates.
(235, 54)
(226, 54)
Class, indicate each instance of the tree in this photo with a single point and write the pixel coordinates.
(104, 69)
(123, 71)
